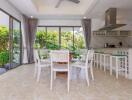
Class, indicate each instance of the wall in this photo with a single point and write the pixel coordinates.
(60, 22)
(10, 9)
(98, 42)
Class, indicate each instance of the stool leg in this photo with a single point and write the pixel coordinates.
(104, 63)
(117, 67)
(126, 67)
(110, 65)
(97, 61)
(100, 62)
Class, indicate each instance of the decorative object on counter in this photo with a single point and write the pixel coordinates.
(120, 44)
(106, 45)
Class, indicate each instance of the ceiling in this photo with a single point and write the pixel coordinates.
(45, 9)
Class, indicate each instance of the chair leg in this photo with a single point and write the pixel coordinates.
(51, 81)
(91, 70)
(87, 76)
(35, 71)
(54, 75)
(68, 81)
(39, 72)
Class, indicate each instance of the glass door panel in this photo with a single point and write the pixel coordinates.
(79, 42)
(67, 38)
(16, 43)
(4, 41)
(52, 38)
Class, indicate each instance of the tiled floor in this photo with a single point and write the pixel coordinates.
(19, 84)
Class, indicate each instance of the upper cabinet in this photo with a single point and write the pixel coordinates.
(112, 33)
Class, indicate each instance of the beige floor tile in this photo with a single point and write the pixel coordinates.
(19, 84)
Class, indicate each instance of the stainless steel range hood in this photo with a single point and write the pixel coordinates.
(110, 20)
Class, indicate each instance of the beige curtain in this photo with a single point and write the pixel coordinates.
(30, 27)
(86, 24)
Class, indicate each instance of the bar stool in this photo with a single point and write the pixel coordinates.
(96, 59)
(102, 60)
(118, 66)
(106, 61)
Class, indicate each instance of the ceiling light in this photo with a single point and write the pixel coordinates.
(31, 16)
(84, 17)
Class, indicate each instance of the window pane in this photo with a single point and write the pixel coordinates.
(79, 42)
(40, 41)
(67, 38)
(16, 43)
(52, 38)
(4, 39)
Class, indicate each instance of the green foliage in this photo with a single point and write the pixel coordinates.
(51, 41)
(4, 43)
(4, 57)
(4, 38)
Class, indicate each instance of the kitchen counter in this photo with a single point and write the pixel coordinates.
(119, 51)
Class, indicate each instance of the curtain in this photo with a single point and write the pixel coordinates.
(86, 24)
(30, 27)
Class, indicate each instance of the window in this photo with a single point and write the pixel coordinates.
(16, 43)
(4, 39)
(10, 41)
(60, 38)
(67, 38)
(79, 42)
(52, 38)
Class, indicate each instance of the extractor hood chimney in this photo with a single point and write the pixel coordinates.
(110, 20)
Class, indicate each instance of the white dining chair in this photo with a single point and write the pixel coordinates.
(59, 63)
(86, 65)
(39, 64)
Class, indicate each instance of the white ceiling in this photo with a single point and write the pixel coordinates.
(45, 9)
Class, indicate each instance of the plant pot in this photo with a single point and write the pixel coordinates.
(2, 70)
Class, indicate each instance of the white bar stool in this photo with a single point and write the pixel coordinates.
(96, 59)
(118, 66)
(102, 60)
(106, 61)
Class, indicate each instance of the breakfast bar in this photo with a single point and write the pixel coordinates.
(109, 58)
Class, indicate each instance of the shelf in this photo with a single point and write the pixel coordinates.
(113, 33)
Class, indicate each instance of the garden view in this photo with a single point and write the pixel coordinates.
(68, 38)
(10, 42)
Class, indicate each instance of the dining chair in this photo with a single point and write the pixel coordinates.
(39, 64)
(86, 65)
(59, 63)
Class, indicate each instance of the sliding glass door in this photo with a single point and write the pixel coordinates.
(16, 43)
(4, 40)
(10, 41)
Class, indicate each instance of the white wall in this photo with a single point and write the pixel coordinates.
(98, 41)
(60, 22)
(10, 9)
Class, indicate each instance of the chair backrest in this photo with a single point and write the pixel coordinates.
(89, 58)
(43, 52)
(36, 56)
(59, 56)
